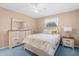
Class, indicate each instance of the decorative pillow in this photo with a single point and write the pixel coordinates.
(54, 32)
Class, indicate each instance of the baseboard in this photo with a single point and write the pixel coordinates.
(76, 46)
(3, 47)
(18, 45)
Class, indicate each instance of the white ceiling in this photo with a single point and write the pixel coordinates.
(46, 9)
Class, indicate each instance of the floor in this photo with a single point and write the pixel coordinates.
(19, 51)
(66, 51)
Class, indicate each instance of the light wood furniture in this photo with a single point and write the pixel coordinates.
(35, 50)
(68, 41)
(17, 36)
(18, 32)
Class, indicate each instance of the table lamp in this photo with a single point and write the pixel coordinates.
(68, 30)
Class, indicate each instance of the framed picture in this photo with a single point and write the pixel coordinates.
(50, 23)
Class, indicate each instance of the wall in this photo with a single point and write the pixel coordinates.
(5, 24)
(65, 19)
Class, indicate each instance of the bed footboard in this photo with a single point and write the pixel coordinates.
(35, 50)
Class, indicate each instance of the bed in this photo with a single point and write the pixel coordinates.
(45, 43)
(42, 44)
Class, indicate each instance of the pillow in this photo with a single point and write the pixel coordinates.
(50, 31)
(46, 31)
(54, 32)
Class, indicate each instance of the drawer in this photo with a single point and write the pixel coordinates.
(71, 42)
(68, 40)
(68, 44)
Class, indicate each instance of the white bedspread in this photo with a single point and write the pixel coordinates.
(46, 42)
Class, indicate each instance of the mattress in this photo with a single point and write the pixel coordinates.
(45, 42)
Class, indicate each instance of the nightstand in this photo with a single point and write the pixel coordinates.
(68, 41)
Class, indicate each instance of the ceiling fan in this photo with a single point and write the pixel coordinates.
(37, 7)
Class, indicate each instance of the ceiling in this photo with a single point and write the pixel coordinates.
(45, 9)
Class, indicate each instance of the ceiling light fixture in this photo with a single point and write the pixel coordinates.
(36, 7)
(36, 11)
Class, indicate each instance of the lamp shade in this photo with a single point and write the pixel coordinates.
(67, 29)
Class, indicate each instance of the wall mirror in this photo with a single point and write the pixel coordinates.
(18, 24)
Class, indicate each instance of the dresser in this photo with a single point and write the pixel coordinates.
(17, 36)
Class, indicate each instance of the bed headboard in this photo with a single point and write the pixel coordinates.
(51, 25)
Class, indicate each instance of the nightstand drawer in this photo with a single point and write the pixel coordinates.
(68, 41)
(68, 44)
